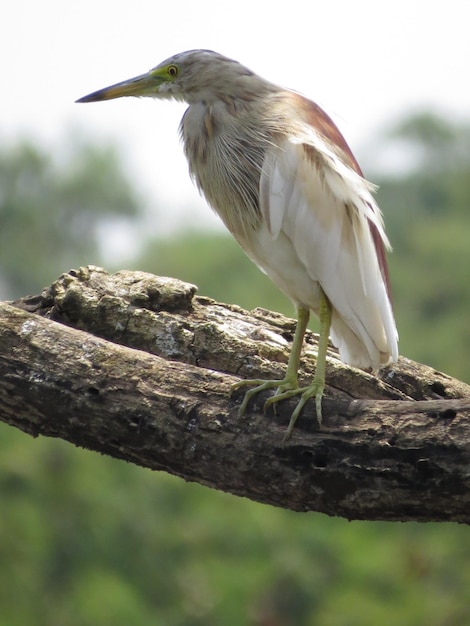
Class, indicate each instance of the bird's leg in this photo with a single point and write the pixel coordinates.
(317, 386)
(288, 386)
(290, 382)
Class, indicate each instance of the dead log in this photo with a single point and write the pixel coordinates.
(138, 367)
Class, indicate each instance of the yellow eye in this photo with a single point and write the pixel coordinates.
(172, 70)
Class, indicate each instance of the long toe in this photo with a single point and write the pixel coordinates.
(314, 390)
(260, 385)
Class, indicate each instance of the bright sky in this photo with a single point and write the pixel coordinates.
(365, 61)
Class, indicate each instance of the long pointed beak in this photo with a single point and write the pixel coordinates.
(144, 85)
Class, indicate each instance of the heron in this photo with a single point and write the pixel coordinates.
(279, 173)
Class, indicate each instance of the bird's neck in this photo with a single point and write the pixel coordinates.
(225, 147)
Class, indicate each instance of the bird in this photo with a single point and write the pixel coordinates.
(279, 173)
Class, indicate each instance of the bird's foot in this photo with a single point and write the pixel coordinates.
(315, 389)
(285, 389)
(260, 385)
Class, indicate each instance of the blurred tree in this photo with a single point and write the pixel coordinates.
(51, 209)
(436, 143)
(427, 216)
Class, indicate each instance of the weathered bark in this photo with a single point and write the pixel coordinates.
(138, 367)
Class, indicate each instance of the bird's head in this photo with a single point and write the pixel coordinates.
(192, 76)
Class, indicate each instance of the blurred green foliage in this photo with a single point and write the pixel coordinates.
(90, 541)
(51, 209)
(427, 213)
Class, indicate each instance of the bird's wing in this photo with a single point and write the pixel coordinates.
(313, 193)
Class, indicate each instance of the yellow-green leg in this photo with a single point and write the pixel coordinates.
(317, 385)
(289, 386)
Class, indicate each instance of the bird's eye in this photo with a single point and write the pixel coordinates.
(172, 71)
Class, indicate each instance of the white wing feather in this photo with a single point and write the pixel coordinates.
(315, 234)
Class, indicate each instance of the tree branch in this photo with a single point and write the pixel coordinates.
(139, 368)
